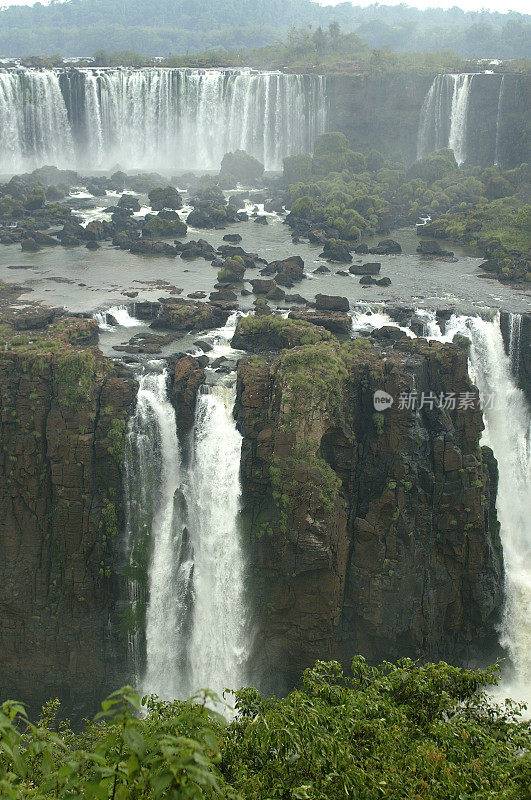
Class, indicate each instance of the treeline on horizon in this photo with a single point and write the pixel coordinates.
(179, 27)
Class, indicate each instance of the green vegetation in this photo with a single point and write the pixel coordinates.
(272, 332)
(351, 195)
(312, 376)
(188, 26)
(403, 732)
(240, 167)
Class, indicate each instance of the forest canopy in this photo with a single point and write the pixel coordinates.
(164, 27)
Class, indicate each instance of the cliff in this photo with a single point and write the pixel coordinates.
(378, 111)
(370, 532)
(382, 111)
(62, 419)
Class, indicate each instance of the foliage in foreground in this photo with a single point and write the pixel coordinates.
(404, 731)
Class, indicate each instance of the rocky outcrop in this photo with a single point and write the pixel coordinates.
(372, 531)
(63, 421)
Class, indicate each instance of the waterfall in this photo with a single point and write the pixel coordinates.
(458, 117)
(218, 641)
(158, 535)
(34, 126)
(508, 433)
(443, 117)
(186, 565)
(498, 121)
(116, 315)
(515, 335)
(155, 118)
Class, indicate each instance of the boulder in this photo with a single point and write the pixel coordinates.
(361, 249)
(262, 286)
(384, 282)
(30, 245)
(232, 237)
(334, 321)
(325, 302)
(386, 247)
(367, 280)
(336, 250)
(429, 247)
(371, 268)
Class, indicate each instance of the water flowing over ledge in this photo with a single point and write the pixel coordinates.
(186, 562)
(470, 113)
(166, 119)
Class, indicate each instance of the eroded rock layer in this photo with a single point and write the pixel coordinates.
(371, 532)
(63, 413)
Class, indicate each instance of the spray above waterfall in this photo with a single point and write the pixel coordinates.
(155, 118)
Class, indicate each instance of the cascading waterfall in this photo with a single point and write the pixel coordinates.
(186, 565)
(218, 650)
(155, 118)
(508, 433)
(515, 335)
(116, 315)
(499, 121)
(458, 117)
(156, 524)
(443, 117)
(34, 125)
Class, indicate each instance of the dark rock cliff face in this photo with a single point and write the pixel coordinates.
(370, 532)
(382, 112)
(378, 112)
(63, 408)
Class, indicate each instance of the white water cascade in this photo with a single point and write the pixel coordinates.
(458, 117)
(155, 118)
(34, 125)
(508, 433)
(185, 551)
(218, 650)
(443, 117)
(158, 526)
(116, 315)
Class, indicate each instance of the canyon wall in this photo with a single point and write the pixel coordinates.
(63, 408)
(370, 532)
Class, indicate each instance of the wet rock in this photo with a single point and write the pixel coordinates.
(129, 202)
(429, 247)
(367, 280)
(232, 237)
(322, 270)
(336, 250)
(342, 273)
(262, 286)
(270, 333)
(188, 376)
(197, 295)
(370, 268)
(361, 249)
(30, 246)
(276, 295)
(334, 321)
(325, 302)
(386, 247)
(145, 246)
(296, 298)
(384, 282)
(317, 237)
(292, 267)
(261, 219)
(176, 313)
